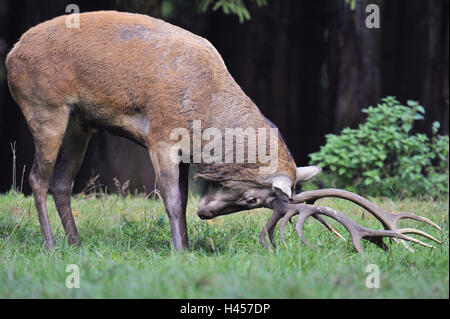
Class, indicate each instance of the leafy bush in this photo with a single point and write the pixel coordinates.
(384, 157)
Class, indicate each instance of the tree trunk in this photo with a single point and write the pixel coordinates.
(358, 80)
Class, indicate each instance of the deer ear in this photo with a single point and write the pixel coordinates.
(281, 185)
(307, 172)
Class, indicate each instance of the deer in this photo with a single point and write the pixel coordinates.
(140, 78)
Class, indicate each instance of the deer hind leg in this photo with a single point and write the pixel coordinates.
(47, 125)
(68, 162)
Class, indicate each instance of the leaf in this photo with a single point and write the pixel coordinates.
(412, 103)
(420, 109)
(217, 5)
(246, 13)
(406, 127)
(436, 126)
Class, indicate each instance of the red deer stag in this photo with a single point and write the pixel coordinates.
(142, 78)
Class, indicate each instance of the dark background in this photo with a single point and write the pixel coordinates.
(310, 66)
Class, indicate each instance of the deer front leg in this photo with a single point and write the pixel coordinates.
(172, 179)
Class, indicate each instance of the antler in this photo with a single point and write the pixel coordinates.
(302, 205)
(279, 210)
(269, 228)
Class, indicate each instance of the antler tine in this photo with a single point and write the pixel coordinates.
(300, 222)
(269, 228)
(283, 223)
(418, 232)
(402, 215)
(279, 210)
(330, 228)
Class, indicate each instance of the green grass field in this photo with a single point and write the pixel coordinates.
(126, 254)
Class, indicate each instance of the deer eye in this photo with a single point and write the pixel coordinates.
(252, 200)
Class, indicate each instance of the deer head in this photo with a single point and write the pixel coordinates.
(226, 198)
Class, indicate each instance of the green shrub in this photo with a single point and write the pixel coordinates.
(384, 157)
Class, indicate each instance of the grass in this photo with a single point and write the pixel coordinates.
(126, 254)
